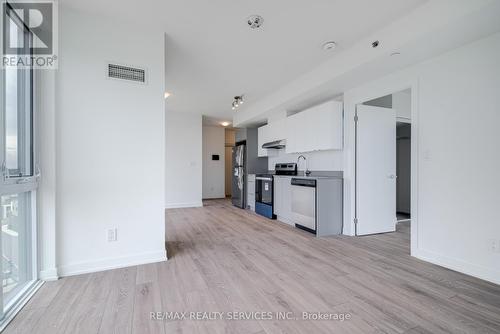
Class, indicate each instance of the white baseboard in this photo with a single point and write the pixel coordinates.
(111, 263)
(485, 273)
(48, 274)
(184, 205)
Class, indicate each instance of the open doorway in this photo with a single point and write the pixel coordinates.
(403, 171)
(383, 164)
(228, 170)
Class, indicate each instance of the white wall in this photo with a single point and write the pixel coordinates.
(401, 102)
(46, 194)
(455, 117)
(183, 170)
(213, 171)
(317, 161)
(110, 146)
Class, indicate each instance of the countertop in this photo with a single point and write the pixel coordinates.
(315, 175)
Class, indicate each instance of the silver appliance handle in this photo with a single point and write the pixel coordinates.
(263, 178)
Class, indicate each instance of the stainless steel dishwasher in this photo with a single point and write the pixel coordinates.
(303, 208)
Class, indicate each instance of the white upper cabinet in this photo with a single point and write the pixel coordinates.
(261, 139)
(278, 129)
(270, 132)
(316, 129)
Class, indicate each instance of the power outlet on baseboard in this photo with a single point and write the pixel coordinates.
(112, 234)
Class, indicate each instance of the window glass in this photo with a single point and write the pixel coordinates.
(16, 243)
(18, 112)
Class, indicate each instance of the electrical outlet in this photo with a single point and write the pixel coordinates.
(112, 234)
(495, 246)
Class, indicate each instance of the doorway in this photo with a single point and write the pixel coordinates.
(383, 164)
(403, 171)
(228, 164)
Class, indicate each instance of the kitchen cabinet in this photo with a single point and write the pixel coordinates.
(271, 132)
(263, 134)
(328, 203)
(251, 192)
(282, 199)
(278, 130)
(316, 129)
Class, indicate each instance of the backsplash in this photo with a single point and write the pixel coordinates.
(318, 161)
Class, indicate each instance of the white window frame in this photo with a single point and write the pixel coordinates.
(17, 185)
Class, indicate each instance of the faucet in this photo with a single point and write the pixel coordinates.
(307, 172)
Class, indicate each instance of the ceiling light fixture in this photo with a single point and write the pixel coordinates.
(255, 21)
(238, 101)
(329, 46)
(224, 124)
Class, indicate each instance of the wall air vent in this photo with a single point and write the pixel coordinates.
(128, 73)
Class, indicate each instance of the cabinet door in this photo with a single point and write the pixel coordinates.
(261, 139)
(251, 194)
(315, 129)
(301, 132)
(286, 206)
(328, 119)
(279, 129)
(265, 134)
(298, 133)
(278, 195)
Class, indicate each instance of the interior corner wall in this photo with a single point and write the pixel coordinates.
(183, 170)
(455, 100)
(213, 170)
(110, 150)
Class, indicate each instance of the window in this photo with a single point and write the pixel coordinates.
(17, 260)
(18, 180)
(18, 116)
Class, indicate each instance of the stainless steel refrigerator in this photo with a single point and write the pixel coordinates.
(238, 189)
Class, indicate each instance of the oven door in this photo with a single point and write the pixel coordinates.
(264, 190)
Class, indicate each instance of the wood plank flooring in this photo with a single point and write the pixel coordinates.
(223, 259)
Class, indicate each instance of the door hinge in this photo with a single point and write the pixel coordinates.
(356, 221)
(356, 118)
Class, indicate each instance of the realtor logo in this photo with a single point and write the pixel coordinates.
(29, 34)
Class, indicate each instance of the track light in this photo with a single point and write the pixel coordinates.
(238, 100)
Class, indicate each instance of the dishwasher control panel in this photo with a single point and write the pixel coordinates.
(304, 182)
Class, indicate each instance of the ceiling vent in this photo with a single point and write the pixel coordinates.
(122, 72)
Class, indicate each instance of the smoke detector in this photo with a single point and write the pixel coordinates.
(329, 46)
(255, 21)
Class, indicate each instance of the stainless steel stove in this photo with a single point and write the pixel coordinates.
(264, 189)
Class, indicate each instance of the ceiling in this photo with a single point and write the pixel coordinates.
(212, 55)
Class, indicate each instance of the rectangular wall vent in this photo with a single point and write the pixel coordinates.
(126, 73)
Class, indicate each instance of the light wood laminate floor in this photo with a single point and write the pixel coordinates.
(226, 259)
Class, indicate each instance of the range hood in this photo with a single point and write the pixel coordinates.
(277, 144)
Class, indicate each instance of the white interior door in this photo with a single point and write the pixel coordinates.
(375, 170)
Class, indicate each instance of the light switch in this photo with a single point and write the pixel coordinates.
(427, 155)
